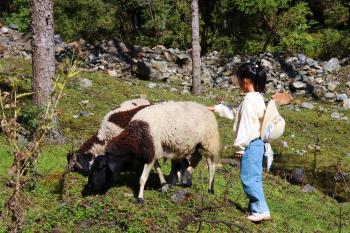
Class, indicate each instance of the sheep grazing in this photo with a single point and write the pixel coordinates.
(170, 130)
(112, 124)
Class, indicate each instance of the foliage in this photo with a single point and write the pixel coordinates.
(314, 27)
(91, 19)
(25, 153)
(337, 15)
(20, 15)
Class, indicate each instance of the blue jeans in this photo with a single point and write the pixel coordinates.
(251, 176)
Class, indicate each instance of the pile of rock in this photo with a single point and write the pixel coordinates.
(14, 43)
(299, 74)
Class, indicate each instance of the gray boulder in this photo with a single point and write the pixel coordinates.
(298, 176)
(332, 65)
(308, 188)
(180, 196)
(307, 105)
(346, 103)
(299, 85)
(83, 82)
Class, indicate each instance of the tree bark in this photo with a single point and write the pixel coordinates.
(43, 62)
(196, 50)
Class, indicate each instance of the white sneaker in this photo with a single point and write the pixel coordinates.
(258, 217)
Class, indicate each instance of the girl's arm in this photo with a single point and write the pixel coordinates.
(223, 111)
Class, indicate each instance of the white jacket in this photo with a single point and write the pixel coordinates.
(247, 120)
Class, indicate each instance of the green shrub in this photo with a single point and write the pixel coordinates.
(20, 15)
(93, 20)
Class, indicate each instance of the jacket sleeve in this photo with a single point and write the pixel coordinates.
(243, 129)
(224, 111)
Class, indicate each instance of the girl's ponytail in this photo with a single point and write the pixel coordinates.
(261, 79)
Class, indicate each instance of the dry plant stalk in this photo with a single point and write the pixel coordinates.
(25, 157)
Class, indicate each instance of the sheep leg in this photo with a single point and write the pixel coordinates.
(163, 182)
(175, 173)
(186, 178)
(143, 179)
(211, 168)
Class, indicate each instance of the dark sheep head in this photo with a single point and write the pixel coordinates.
(79, 162)
(101, 175)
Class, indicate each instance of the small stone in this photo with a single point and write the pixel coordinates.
(284, 144)
(83, 82)
(332, 86)
(151, 85)
(307, 105)
(335, 115)
(319, 80)
(299, 85)
(228, 72)
(185, 92)
(75, 116)
(342, 97)
(13, 26)
(84, 114)
(346, 104)
(308, 188)
(237, 60)
(322, 109)
(112, 73)
(85, 102)
(4, 30)
(173, 89)
(282, 98)
(311, 62)
(283, 76)
(297, 176)
(332, 65)
(180, 196)
(302, 58)
(330, 95)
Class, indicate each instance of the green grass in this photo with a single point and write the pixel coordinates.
(116, 211)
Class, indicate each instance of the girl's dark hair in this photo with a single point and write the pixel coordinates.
(255, 73)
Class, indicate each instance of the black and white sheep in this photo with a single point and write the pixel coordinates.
(112, 125)
(171, 130)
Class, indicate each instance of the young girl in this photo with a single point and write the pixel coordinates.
(246, 135)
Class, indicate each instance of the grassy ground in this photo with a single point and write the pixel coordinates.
(292, 210)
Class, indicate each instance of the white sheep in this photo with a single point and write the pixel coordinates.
(171, 130)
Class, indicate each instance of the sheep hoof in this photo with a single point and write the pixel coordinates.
(165, 187)
(187, 184)
(140, 201)
(211, 191)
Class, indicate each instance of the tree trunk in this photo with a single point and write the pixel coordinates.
(196, 50)
(43, 62)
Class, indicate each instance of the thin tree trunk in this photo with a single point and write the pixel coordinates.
(196, 50)
(43, 62)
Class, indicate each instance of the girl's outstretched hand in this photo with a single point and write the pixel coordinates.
(239, 154)
(211, 108)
